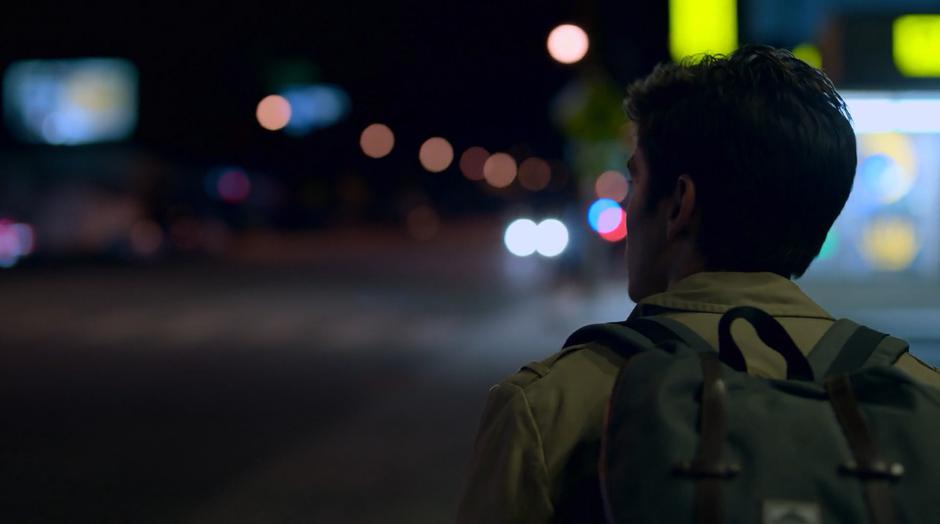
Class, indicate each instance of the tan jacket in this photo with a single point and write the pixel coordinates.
(536, 452)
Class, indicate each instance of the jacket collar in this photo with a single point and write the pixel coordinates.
(717, 292)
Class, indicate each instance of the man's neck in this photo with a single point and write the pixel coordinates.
(687, 262)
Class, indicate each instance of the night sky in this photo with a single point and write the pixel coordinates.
(474, 71)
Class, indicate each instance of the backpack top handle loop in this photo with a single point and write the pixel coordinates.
(770, 332)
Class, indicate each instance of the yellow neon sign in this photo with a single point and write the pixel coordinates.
(809, 54)
(916, 45)
(702, 26)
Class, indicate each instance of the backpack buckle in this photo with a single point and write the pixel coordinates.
(698, 469)
(878, 469)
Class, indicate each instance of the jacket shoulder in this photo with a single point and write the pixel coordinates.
(919, 370)
(571, 363)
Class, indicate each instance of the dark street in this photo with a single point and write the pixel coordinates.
(300, 391)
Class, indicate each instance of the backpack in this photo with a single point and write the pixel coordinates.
(691, 437)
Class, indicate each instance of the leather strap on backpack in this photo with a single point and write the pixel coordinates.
(707, 468)
(869, 466)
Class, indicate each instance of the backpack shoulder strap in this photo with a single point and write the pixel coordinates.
(638, 334)
(660, 329)
(888, 352)
(614, 335)
(828, 347)
(859, 348)
(848, 346)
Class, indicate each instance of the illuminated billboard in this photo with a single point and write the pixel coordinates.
(891, 222)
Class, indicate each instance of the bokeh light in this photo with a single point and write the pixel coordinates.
(499, 170)
(620, 232)
(809, 54)
(273, 112)
(888, 167)
(609, 220)
(914, 40)
(597, 208)
(613, 185)
(890, 243)
(702, 26)
(551, 237)
(436, 154)
(233, 186)
(423, 222)
(71, 102)
(17, 240)
(568, 43)
(534, 174)
(472, 161)
(314, 106)
(521, 237)
(377, 140)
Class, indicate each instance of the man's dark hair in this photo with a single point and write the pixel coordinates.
(768, 142)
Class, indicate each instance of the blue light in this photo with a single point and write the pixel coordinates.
(314, 106)
(71, 102)
(599, 206)
(879, 172)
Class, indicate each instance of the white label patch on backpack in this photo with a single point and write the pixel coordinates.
(791, 512)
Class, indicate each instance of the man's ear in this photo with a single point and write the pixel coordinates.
(682, 208)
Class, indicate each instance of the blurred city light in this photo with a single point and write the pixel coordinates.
(472, 161)
(568, 43)
(890, 243)
(889, 223)
(436, 154)
(71, 102)
(499, 170)
(613, 185)
(882, 112)
(889, 165)
(228, 184)
(521, 237)
(233, 186)
(610, 219)
(809, 54)
(17, 240)
(314, 106)
(524, 237)
(830, 247)
(915, 41)
(145, 237)
(620, 232)
(702, 26)
(377, 140)
(551, 237)
(274, 112)
(534, 174)
(597, 208)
